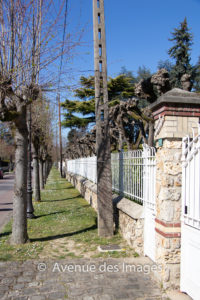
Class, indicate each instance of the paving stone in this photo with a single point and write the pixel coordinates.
(79, 285)
(13, 293)
(29, 291)
(34, 283)
(18, 286)
(37, 297)
(75, 292)
(56, 295)
(105, 297)
(24, 279)
(88, 298)
(121, 295)
(20, 298)
(2, 294)
(95, 290)
(7, 281)
(4, 288)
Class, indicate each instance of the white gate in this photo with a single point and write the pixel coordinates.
(190, 229)
(149, 179)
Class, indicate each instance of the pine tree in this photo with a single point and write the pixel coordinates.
(81, 112)
(180, 52)
(197, 77)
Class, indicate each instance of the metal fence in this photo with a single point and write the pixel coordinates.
(127, 174)
(133, 173)
(86, 167)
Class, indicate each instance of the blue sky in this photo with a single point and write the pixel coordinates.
(137, 32)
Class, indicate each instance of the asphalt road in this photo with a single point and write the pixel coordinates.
(6, 198)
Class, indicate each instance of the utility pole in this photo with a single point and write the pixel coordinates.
(104, 179)
(60, 134)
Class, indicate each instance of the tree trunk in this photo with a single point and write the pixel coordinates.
(120, 147)
(41, 174)
(151, 134)
(36, 188)
(44, 172)
(19, 227)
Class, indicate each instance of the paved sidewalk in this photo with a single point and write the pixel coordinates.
(96, 279)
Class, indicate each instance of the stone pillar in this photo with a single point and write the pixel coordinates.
(175, 114)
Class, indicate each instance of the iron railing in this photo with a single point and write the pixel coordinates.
(133, 173)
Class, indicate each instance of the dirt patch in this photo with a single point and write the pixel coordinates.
(64, 247)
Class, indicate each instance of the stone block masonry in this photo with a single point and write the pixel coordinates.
(181, 112)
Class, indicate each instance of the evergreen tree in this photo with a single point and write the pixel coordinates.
(180, 52)
(81, 112)
(197, 77)
(128, 74)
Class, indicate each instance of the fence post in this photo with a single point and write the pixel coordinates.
(121, 173)
(175, 113)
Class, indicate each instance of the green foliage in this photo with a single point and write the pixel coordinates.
(128, 74)
(87, 90)
(180, 52)
(119, 88)
(84, 107)
(72, 121)
(197, 77)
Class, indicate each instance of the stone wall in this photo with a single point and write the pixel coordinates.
(168, 211)
(128, 215)
(176, 115)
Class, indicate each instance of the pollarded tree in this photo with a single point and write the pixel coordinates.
(180, 52)
(41, 135)
(28, 45)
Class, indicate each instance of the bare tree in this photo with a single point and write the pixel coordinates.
(42, 138)
(28, 45)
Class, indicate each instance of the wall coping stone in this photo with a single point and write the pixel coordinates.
(177, 96)
(131, 208)
(92, 186)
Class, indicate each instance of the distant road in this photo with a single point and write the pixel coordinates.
(6, 198)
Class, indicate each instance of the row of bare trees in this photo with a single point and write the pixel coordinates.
(42, 144)
(30, 41)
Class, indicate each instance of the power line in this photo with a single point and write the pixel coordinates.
(59, 78)
(63, 41)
